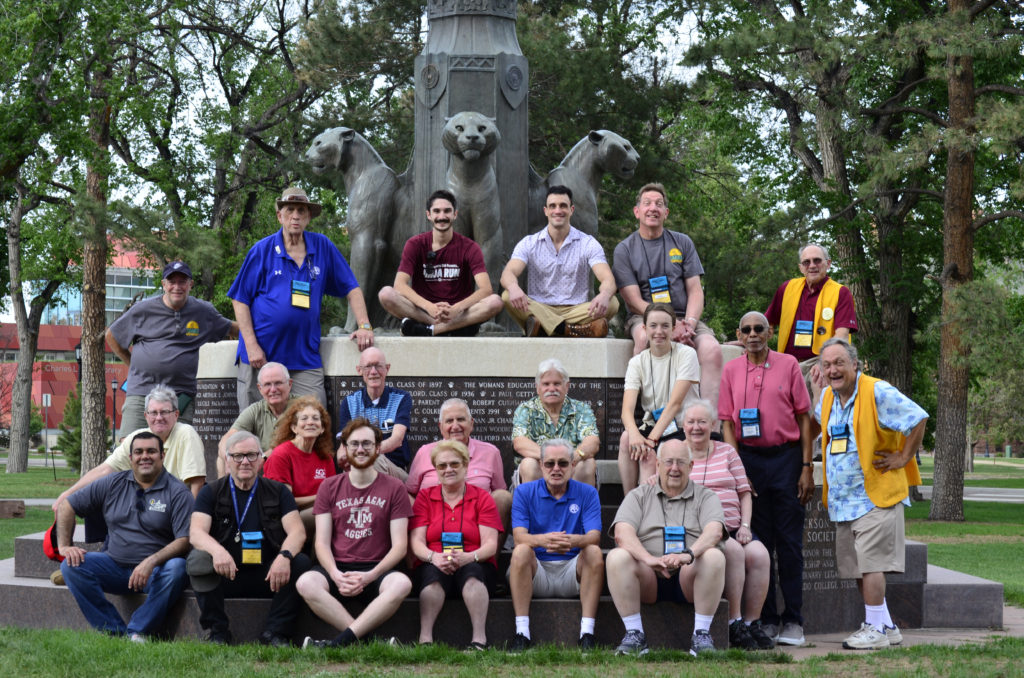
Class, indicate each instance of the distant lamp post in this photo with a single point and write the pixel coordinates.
(78, 359)
(113, 414)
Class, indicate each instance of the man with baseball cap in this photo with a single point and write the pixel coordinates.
(159, 339)
(277, 297)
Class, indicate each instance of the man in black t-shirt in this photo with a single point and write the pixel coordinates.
(247, 538)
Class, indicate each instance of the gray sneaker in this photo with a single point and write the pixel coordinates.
(894, 635)
(634, 643)
(791, 634)
(772, 631)
(701, 642)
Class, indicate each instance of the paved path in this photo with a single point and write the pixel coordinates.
(1005, 495)
(60, 462)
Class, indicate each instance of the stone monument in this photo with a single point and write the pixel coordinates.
(471, 83)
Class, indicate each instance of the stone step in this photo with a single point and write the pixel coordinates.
(36, 603)
(954, 599)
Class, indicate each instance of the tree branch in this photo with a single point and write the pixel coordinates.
(934, 117)
(1008, 89)
(996, 216)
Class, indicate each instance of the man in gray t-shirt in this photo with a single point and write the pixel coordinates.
(656, 265)
(147, 513)
(164, 334)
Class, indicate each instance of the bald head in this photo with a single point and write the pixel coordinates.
(373, 368)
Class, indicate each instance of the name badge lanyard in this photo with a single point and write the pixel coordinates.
(462, 515)
(839, 432)
(666, 528)
(670, 382)
(757, 403)
(234, 501)
(664, 255)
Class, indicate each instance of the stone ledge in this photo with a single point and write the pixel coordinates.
(953, 599)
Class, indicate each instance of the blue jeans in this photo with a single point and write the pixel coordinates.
(98, 573)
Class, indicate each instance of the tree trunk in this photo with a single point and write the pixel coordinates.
(958, 263)
(21, 391)
(94, 279)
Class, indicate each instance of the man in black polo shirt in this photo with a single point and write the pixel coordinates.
(247, 538)
(147, 512)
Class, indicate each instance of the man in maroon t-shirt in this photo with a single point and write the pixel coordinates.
(362, 532)
(442, 286)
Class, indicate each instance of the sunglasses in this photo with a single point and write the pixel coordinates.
(560, 463)
(445, 465)
(817, 261)
(756, 329)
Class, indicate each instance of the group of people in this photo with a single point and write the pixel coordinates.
(716, 463)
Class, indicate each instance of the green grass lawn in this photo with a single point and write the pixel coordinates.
(35, 483)
(989, 543)
(30, 653)
(37, 519)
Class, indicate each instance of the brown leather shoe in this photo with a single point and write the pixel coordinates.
(595, 329)
(532, 328)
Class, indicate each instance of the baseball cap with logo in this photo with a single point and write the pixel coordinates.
(297, 196)
(50, 544)
(177, 267)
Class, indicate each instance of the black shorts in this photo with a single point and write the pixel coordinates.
(367, 594)
(426, 574)
(669, 589)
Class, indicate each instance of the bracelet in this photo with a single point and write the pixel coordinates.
(430, 559)
(580, 453)
(695, 321)
(746, 525)
(476, 557)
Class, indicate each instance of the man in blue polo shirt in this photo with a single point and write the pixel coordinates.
(277, 296)
(147, 512)
(556, 524)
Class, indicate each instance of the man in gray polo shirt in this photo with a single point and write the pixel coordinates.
(164, 334)
(147, 513)
(260, 418)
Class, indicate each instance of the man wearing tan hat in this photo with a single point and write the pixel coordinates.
(277, 296)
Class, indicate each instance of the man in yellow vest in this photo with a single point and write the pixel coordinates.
(811, 310)
(869, 433)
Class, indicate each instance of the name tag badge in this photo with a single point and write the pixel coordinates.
(675, 539)
(451, 541)
(804, 336)
(300, 294)
(750, 422)
(252, 548)
(839, 435)
(671, 428)
(659, 290)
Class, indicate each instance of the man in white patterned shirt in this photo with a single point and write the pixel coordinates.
(869, 435)
(559, 260)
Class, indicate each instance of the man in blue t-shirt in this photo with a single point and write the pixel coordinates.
(389, 409)
(277, 296)
(556, 524)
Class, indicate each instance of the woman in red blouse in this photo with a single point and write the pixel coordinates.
(455, 536)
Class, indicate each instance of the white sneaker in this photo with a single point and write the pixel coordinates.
(894, 635)
(867, 637)
(791, 634)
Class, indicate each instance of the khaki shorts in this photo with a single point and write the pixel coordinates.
(872, 543)
(633, 320)
(556, 579)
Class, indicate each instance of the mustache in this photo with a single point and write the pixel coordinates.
(551, 393)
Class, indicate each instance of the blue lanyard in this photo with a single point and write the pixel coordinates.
(234, 500)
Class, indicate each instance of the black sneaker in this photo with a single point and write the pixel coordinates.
(587, 642)
(757, 632)
(273, 640)
(467, 331)
(309, 643)
(739, 636)
(219, 637)
(414, 328)
(520, 643)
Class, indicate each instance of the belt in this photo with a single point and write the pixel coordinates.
(769, 451)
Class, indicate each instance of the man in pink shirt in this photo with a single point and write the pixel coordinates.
(764, 409)
(486, 470)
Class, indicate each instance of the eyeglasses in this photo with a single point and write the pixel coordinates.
(445, 465)
(560, 463)
(817, 261)
(374, 367)
(660, 204)
(365, 444)
(239, 457)
(273, 384)
(160, 413)
(756, 329)
(680, 463)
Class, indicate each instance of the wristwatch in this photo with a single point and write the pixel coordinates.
(807, 464)
(287, 554)
(366, 326)
(580, 453)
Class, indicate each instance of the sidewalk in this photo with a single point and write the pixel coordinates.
(820, 645)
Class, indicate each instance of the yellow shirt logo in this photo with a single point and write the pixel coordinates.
(192, 329)
(675, 256)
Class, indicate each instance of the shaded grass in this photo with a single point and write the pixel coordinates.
(37, 519)
(988, 544)
(46, 653)
(35, 483)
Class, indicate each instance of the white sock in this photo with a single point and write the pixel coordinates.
(523, 625)
(586, 625)
(431, 328)
(878, 616)
(702, 622)
(633, 623)
(735, 620)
